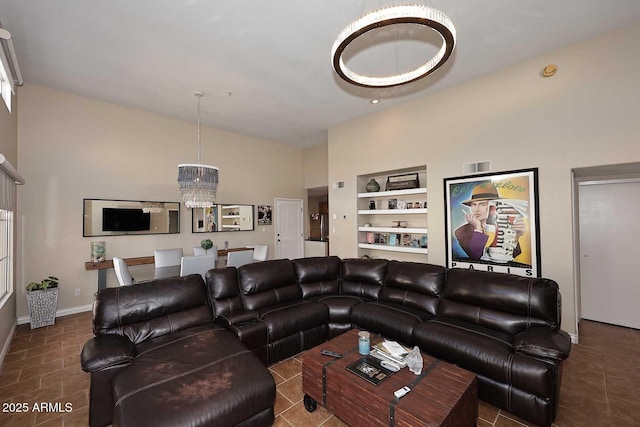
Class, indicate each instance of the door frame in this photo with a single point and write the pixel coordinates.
(275, 228)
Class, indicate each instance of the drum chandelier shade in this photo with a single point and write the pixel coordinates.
(414, 14)
(198, 183)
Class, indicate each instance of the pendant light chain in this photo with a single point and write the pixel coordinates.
(199, 95)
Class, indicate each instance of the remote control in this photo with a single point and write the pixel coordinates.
(390, 366)
(401, 392)
(330, 353)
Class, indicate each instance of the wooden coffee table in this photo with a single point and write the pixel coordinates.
(443, 395)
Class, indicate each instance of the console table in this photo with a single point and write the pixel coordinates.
(103, 266)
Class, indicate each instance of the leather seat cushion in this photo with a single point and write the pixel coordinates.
(485, 352)
(388, 319)
(340, 306)
(293, 317)
(195, 379)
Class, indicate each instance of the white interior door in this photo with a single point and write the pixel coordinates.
(609, 230)
(289, 228)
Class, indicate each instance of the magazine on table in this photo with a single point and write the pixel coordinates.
(391, 352)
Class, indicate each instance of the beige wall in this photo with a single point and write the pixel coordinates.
(586, 115)
(316, 166)
(72, 148)
(9, 148)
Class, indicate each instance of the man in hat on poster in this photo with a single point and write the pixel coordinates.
(474, 236)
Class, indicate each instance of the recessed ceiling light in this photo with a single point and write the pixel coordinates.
(374, 101)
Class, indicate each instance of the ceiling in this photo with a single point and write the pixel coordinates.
(265, 65)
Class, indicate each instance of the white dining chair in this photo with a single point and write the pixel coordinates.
(197, 265)
(260, 252)
(239, 258)
(198, 251)
(122, 272)
(167, 257)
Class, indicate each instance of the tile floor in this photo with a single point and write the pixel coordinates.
(600, 385)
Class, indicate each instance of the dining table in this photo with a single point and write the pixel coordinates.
(159, 272)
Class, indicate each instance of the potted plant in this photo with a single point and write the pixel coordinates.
(42, 301)
(206, 244)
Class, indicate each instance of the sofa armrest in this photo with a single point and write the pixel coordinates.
(106, 351)
(543, 342)
(237, 318)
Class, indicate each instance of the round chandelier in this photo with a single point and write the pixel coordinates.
(414, 14)
(198, 183)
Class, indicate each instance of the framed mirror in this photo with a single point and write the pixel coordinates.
(104, 217)
(223, 217)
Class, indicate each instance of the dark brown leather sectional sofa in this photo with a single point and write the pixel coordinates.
(184, 352)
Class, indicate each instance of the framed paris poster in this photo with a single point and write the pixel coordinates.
(491, 221)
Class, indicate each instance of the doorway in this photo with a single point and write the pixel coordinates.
(289, 228)
(609, 228)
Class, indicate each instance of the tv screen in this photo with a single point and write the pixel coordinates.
(117, 219)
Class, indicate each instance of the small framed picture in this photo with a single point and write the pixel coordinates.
(406, 239)
(393, 203)
(384, 238)
(416, 205)
(402, 204)
(409, 205)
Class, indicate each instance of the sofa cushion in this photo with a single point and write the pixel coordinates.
(363, 277)
(292, 317)
(413, 284)
(151, 309)
(267, 283)
(340, 306)
(318, 275)
(499, 301)
(486, 352)
(194, 379)
(224, 293)
(393, 321)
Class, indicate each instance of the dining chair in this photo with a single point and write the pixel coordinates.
(239, 258)
(260, 252)
(197, 265)
(122, 272)
(198, 251)
(167, 257)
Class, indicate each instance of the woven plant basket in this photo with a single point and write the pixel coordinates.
(42, 306)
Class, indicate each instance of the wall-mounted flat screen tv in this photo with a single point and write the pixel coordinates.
(121, 219)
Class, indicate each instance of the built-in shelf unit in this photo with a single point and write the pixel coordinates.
(393, 223)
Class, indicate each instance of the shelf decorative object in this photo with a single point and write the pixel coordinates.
(98, 251)
(402, 182)
(372, 186)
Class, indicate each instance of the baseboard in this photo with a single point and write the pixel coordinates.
(64, 312)
(7, 343)
(574, 338)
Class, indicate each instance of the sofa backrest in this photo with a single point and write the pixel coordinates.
(413, 284)
(223, 291)
(363, 277)
(504, 302)
(268, 283)
(151, 309)
(318, 275)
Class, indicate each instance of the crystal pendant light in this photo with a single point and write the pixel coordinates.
(198, 183)
(152, 207)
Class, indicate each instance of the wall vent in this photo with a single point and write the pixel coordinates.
(338, 185)
(476, 167)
